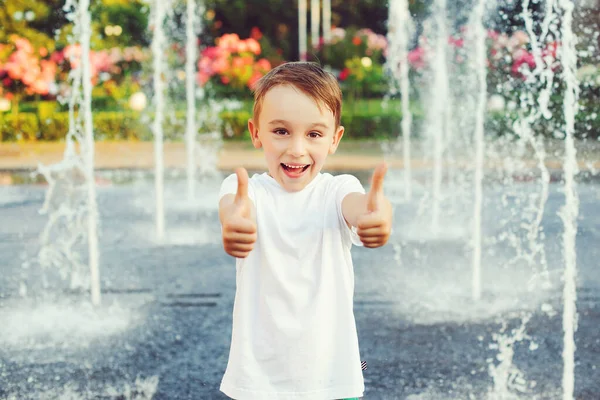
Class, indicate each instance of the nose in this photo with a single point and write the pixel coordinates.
(297, 147)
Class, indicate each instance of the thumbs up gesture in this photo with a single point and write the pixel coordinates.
(375, 223)
(237, 220)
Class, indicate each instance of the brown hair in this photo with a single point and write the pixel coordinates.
(310, 78)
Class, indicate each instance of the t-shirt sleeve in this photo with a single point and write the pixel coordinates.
(346, 184)
(229, 186)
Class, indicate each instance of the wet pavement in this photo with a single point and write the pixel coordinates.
(163, 328)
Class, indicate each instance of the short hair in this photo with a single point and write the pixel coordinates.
(310, 78)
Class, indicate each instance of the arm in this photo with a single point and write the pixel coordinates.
(353, 206)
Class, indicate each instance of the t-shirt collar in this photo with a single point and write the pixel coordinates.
(272, 180)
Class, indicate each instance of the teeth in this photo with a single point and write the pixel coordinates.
(295, 166)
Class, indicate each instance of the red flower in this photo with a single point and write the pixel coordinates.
(255, 33)
(344, 74)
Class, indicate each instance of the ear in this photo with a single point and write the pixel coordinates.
(337, 136)
(253, 128)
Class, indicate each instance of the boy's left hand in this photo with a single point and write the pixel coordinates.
(375, 224)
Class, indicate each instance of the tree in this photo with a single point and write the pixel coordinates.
(34, 20)
(130, 17)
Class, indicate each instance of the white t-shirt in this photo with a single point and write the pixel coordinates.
(294, 334)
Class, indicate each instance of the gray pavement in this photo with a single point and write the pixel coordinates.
(163, 329)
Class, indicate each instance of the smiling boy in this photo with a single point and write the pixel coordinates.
(291, 230)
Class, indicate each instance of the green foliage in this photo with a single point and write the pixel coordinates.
(365, 79)
(130, 15)
(361, 119)
(278, 19)
(29, 19)
(54, 127)
(22, 126)
(118, 126)
(235, 124)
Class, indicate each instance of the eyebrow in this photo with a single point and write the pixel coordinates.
(283, 122)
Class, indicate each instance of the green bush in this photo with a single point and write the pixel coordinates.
(116, 125)
(54, 127)
(128, 126)
(368, 126)
(362, 120)
(235, 124)
(23, 126)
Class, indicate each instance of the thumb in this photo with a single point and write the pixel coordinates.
(242, 190)
(376, 187)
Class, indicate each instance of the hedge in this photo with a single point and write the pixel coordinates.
(129, 125)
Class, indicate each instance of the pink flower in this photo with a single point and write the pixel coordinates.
(214, 52)
(40, 87)
(22, 44)
(253, 46)
(48, 70)
(520, 38)
(242, 46)
(238, 62)
(522, 57)
(416, 58)
(229, 41)
(254, 78)
(202, 78)
(264, 65)
(456, 42)
(220, 65)
(492, 34)
(57, 57)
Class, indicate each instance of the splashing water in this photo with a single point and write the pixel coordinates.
(570, 211)
(528, 237)
(400, 30)
(71, 197)
(158, 46)
(439, 111)
(481, 70)
(507, 378)
(193, 25)
(543, 74)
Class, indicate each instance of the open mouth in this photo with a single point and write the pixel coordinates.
(294, 170)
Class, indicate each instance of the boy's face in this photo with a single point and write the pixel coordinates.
(296, 136)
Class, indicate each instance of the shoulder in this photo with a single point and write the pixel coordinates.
(340, 185)
(347, 181)
(337, 180)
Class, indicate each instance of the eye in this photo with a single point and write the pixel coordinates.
(280, 131)
(315, 134)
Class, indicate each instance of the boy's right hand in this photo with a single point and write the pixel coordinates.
(239, 226)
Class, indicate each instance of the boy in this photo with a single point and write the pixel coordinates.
(291, 230)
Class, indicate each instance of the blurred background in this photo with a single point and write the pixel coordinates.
(239, 41)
